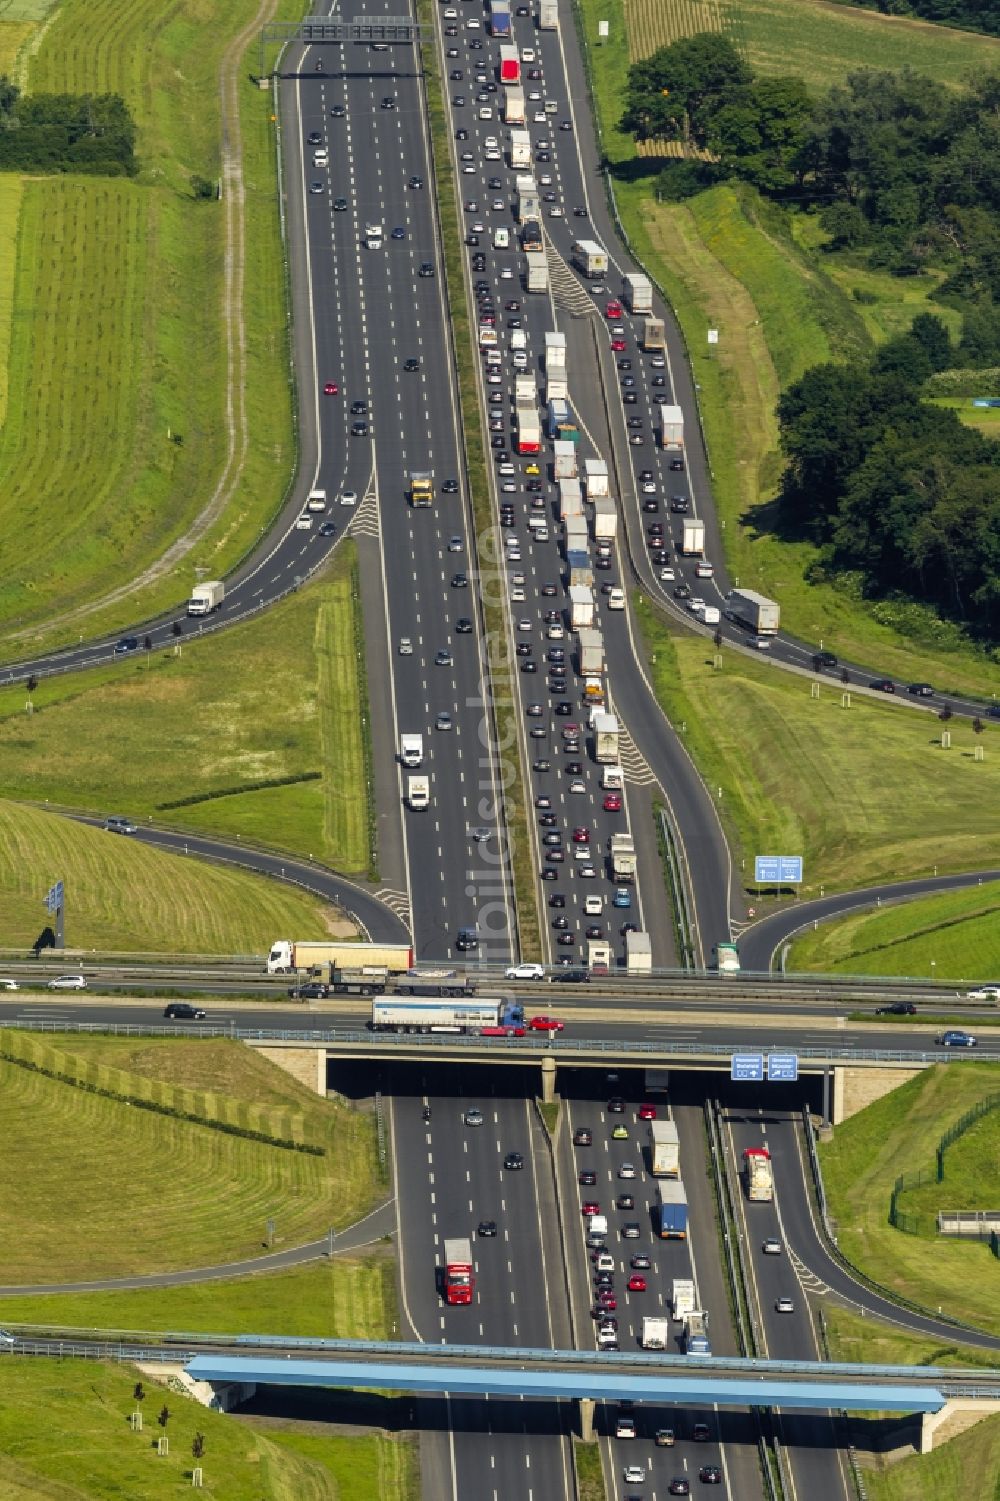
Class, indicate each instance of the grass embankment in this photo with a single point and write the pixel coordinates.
(899, 1134)
(729, 260)
(275, 698)
(491, 567)
(109, 1189)
(88, 1405)
(589, 1472)
(866, 794)
(951, 937)
(125, 897)
(116, 431)
(866, 1341)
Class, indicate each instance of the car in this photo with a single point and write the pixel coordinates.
(581, 835)
(544, 802)
(679, 1486)
(636, 1283)
(590, 1206)
(449, 487)
(634, 1474)
(359, 429)
(340, 205)
(640, 1262)
(126, 644)
(348, 497)
(883, 685)
(426, 269)
(701, 1433)
(67, 982)
(710, 1474)
(616, 1105)
(312, 990)
(606, 1303)
(443, 659)
(578, 785)
(625, 1201)
(545, 1024)
(618, 345)
(823, 661)
(473, 1116)
(183, 1011)
(398, 233)
(389, 102)
(411, 365)
(622, 897)
(443, 721)
(587, 1177)
(784, 1305)
(463, 626)
(983, 993)
(921, 690)
(771, 1246)
(955, 1038)
(316, 186)
(9, 985)
(664, 1438)
(631, 1230)
(626, 1170)
(612, 802)
(487, 1229)
(548, 874)
(897, 1008)
(620, 1133)
(583, 1136)
(525, 972)
(647, 1112)
(513, 1162)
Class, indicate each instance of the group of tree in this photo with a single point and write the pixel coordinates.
(970, 15)
(91, 133)
(893, 487)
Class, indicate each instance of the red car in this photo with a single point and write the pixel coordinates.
(502, 1031)
(618, 345)
(613, 802)
(613, 310)
(636, 1284)
(581, 836)
(590, 1206)
(331, 388)
(607, 1302)
(647, 1112)
(546, 1024)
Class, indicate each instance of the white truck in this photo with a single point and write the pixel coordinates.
(599, 956)
(529, 429)
(576, 535)
(581, 606)
(597, 1229)
(727, 959)
(758, 1174)
(525, 391)
(638, 293)
(655, 1333)
(316, 502)
(693, 537)
(411, 750)
(520, 149)
(555, 352)
(206, 597)
(638, 954)
(654, 335)
(595, 477)
(671, 428)
(570, 498)
(581, 569)
(564, 460)
(591, 648)
(664, 1149)
(761, 614)
(548, 15)
(537, 272)
(682, 1298)
(606, 738)
(290, 955)
(527, 204)
(605, 519)
(418, 792)
(612, 778)
(590, 258)
(513, 105)
(621, 848)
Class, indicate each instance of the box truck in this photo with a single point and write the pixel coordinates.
(638, 293)
(664, 1149)
(411, 750)
(696, 1334)
(638, 953)
(421, 488)
(581, 606)
(595, 477)
(513, 106)
(590, 258)
(418, 792)
(673, 1215)
(500, 23)
(605, 738)
(520, 149)
(576, 535)
(682, 1301)
(755, 610)
(655, 1333)
(591, 651)
(206, 597)
(525, 392)
(613, 777)
(621, 849)
(537, 271)
(510, 63)
(693, 537)
(564, 459)
(580, 568)
(529, 434)
(654, 336)
(605, 519)
(758, 1174)
(671, 428)
(555, 352)
(527, 204)
(570, 500)
(457, 1282)
(548, 15)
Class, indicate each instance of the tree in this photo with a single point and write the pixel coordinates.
(164, 1416)
(32, 683)
(198, 1445)
(760, 132)
(139, 1392)
(933, 337)
(673, 94)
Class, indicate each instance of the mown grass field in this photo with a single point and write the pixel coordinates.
(809, 776)
(898, 1134)
(950, 1470)
(276, 697)
(589, 1471)
(97, 1454)
(116, 432)
(951, 937)
(727, 261)
(865, 1341)
(185, 906)
(101, 1188)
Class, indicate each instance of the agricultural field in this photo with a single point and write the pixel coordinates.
(185, 1193)
(123, 356)
(185, 907)
(953, 937)
(263, 723)
(898, 1134)
(806, 774)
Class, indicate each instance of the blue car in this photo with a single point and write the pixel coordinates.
(127, 643)
(956, 1039)
(622, 897)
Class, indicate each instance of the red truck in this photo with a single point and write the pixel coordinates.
(510, 65)
(459, 1283)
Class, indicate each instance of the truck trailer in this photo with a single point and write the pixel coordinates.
(595, 477)
(758, 1175)
(368, 979)
(537, 271)
(570, 500)
(458, 1283)
(655, 1333)
(671, 428)
(527, 204)
(755, 610)
(682, 1299)
(605, 738)
(581, 607)
(664, 1149)
(591, 651)
(206, 597)
(605, 519)
(500, 22)
(487, 1016)
(654, 335)
(548, 15)
(590, 258)
(435, 981)
(510, 63)
(520, 149)
(564, 463)
(513, 106)
(693, 537)
(529, 431)
(555, 352)
(289, 956)
(576, 535)
(673, 1210)
(581, 569)
(638, 293)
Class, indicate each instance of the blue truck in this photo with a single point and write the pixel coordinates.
(673, 1210)
(500, 18)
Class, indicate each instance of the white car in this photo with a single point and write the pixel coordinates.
(348, 497)
(984, 993)
(506, 274)
(771, 1246)
(405, 646)
(524, 972)
(491, 143)
(67, 982)
(593, 906)
(555, 212)
(634, 1474)
(784, 1305)
(667, 575)
(9, 985)
(304, 523)
(492, 154)
(627, 1170)
(556, 632)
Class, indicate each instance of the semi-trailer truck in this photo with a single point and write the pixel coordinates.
(591, 258)
(755, 610)
(287, 956)
(664, 1149)
(581, 570)
(564, 460)
(555, 351)
(570, 500)
(500, 22)
(485, 1016)
(605, 737)
(638, 293)
(531, 235)
(673, 1211)
(758, 1174)
(458, 1283)
(206, 597)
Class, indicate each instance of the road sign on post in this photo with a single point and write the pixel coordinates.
(778, 870)
(747, 1066)
(55, 901)
(782, 1068)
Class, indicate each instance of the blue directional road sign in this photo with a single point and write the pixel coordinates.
(54, 897)
(778, 870)
(747, 1066)
(782, 1068)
